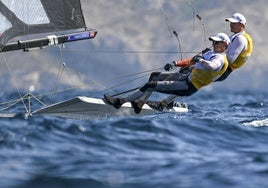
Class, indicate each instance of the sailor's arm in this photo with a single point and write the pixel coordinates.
(212, 64)
(236, 47)
(182, 63)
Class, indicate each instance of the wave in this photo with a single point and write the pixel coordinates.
(257, 123)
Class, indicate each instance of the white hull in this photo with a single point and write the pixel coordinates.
(92, 108)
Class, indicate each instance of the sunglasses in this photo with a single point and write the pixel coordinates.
(216, 42)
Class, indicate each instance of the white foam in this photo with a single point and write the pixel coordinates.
(257, 123)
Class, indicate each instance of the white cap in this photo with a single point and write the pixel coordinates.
(221, 37)
(237, 18)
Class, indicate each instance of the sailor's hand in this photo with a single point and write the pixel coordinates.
(197, 58)
(170, 66)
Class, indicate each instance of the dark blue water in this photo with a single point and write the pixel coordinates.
(220, 142)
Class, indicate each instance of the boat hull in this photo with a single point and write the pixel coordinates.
(82, 107)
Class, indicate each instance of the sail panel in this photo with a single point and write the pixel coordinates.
(25, 17)
(35, 11)
(5, 24)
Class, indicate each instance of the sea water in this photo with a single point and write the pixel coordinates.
(220, 142)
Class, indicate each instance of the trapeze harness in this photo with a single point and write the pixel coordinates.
(203, 77)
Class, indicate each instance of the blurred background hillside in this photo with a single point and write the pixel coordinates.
(134, 36)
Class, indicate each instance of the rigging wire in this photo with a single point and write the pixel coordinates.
(135, 74)
(118, 85)
(36, 97)
(170, 29)
(196, 15)
(14, 102)
(105, 82)
(15, 84)
(59, 75)
(147, 72)
(128, 52)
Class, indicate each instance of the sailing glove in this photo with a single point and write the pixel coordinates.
(197, 58)
(170, 66)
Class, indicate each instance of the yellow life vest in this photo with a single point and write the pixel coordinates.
(243, 56)
(203, 77)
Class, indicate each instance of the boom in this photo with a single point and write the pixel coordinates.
(48, 41)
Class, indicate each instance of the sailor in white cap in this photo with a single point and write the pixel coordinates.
(241, 45)
(206, 69)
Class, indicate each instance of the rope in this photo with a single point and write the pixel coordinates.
(135, 74)
(59, 75)
(200, 19)
(124, 92)
(171, 30)
(14, 102)
(10, 105)
(128, 52)
(11, 75)
(55, 91)
(118, 85)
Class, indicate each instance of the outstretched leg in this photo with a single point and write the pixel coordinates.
(138, 104)
(160, 105)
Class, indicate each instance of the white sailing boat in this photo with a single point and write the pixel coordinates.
(52, 16)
